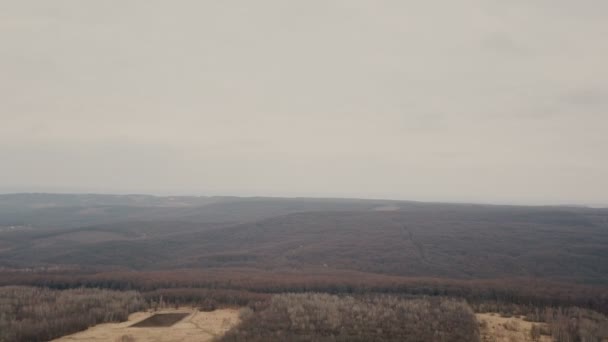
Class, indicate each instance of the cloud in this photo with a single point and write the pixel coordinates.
(503, 44)
(587, 98)
(430, 100)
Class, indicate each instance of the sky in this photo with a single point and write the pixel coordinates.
(487, 101)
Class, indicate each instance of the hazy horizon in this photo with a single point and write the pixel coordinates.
(476, 101)
(55, 191)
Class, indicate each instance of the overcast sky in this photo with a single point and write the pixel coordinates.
(474, 100)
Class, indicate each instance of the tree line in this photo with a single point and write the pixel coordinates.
(40, 314)
(520, 291)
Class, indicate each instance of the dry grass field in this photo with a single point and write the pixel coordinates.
(197, 326)
(495, 328)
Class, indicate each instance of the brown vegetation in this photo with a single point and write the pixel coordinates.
(571, 324)
(218, 252)
(240, 287)
(38, 314)
(322, 317)
(575, 324)
(495, 328)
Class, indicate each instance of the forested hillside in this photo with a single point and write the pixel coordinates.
(305, 269)
(387, 237)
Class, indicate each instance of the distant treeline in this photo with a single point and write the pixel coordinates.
(250, 284)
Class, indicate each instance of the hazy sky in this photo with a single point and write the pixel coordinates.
(472, 100)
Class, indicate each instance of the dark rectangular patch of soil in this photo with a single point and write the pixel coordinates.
(160, 320)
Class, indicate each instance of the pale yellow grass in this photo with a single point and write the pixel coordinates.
(495, 328)
(197, 327)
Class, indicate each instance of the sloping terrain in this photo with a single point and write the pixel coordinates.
(410, 239)
(434, 243)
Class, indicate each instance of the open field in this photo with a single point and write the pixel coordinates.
(196, 326)
(495, 328)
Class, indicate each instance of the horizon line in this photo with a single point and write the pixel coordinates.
(319, 197)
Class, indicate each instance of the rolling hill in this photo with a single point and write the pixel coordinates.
(373, 236)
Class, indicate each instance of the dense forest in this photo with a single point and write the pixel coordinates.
(382, 237)
(322, 317)
(40, 314)
(253, 283)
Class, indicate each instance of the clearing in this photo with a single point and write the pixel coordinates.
(183, 324)
(496, 328)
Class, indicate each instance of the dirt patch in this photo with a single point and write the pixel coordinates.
(494, 328)
(194, 326)
(161, 320)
